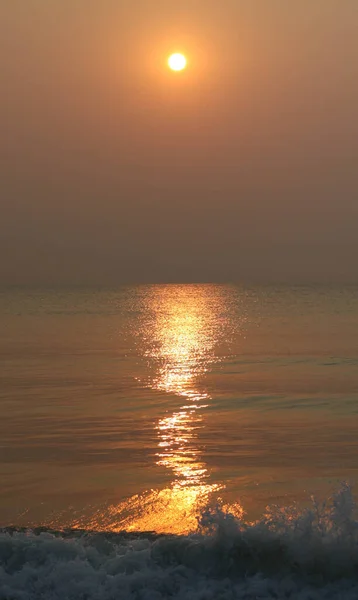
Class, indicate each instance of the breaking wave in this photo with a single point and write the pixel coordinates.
(288, 553)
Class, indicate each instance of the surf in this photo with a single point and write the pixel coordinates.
(308, 553)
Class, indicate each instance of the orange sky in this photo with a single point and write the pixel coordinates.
(115, 169)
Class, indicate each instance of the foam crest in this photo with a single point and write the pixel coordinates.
(289, 553)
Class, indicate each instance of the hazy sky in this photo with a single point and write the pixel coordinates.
(114, 169)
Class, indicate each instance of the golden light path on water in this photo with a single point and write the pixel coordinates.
(185, 332)
(185, 329)
(179, 340)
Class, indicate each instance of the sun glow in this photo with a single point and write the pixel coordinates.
(177, 62)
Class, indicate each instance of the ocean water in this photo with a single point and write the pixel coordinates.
(166, 441)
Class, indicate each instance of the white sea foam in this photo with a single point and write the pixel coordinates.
(310, 554)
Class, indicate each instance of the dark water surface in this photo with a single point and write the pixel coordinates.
(136, 408)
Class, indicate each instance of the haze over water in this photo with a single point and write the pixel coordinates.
(136, 408)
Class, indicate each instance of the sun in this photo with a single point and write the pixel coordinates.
(177, 62)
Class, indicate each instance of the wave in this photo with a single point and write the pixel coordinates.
(289, 553)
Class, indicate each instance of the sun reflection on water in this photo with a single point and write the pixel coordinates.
(183, 338)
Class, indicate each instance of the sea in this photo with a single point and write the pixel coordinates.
(191, 442)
